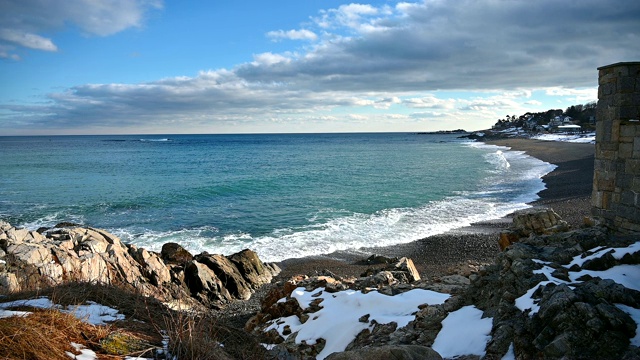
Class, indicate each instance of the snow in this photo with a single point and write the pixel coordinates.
(464, 332)
(625, 275)
(95, 314)
(589, 138)
(9, 313)
(85, 354)
(617, 253)
(337, 322)
(635, 315)
(91, 313)
(510, 355)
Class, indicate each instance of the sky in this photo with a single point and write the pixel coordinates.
(170, 67)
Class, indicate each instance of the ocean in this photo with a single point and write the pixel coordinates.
(281, 195)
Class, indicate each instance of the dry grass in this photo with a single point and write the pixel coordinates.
(204, 337)
(45, 334)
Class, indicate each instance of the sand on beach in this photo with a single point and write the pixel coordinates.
(568, 192)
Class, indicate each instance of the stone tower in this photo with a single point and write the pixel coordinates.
(616, 179)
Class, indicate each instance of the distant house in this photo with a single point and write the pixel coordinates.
(569, 128)
(559, 121)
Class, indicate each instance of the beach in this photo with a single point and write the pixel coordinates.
(568, 192)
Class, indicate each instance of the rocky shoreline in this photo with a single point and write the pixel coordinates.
(532, 289)
(70, 253)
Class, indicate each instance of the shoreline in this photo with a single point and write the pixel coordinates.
(568, 192)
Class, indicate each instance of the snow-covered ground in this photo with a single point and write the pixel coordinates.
(338, 320)
(625, 275)
(589, 138)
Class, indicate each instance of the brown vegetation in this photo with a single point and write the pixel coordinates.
(48, 333)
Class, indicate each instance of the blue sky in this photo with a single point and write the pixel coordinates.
(152, 66)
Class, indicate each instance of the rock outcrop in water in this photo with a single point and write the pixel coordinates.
(71, 253)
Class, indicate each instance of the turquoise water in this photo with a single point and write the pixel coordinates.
(285, 195)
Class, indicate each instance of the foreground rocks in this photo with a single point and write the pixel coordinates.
(539, 307)
(71, 253)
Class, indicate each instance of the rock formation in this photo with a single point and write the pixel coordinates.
(71, 253)
(570, 311)
(532, 222)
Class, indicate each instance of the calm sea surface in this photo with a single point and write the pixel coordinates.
(283, 196)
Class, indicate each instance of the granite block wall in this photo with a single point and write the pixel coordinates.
(616, 180)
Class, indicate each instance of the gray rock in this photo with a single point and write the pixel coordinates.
(173, 253)
(228, 273)
(399, 352)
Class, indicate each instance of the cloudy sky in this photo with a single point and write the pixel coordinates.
(153, 66)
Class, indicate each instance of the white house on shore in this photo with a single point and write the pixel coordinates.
(569, 128)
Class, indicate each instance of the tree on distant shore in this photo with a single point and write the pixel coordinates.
(582, 114)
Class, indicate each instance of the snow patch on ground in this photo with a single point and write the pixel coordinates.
(464, 332)
(625, 275)
(337, 322)
(635, 315)
(92, 313)
(589, 138)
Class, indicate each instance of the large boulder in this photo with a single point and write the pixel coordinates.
(532, 222)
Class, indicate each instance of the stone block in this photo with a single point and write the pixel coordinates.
(607, 154)
(626, 84)
(604, 184)
(624, 181)
(632, 166)
(606, 199)
(625, 150)
(615, 198)
(600, 132)
(629, 113)
(628, 226)
(621, 99)
(628, 197)
(606, 88)
(627, 212)
(627, 131)
(635, 184)
(615, 129)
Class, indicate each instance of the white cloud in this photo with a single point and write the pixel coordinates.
(269, 59)
(364, 56)
(31, 41)
(579, 96)
(430, 102)
(22, 21)
(292, 35)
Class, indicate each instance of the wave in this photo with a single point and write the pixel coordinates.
(510, 181)
(156, 140)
